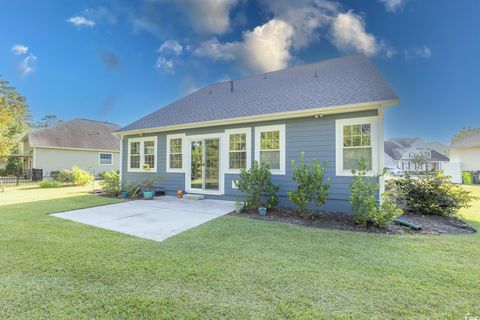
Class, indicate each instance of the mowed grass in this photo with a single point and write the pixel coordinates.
(231, 268)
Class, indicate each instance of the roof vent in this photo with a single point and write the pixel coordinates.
(264, 76)
(231, 85)
(316, 74)
(210, 92)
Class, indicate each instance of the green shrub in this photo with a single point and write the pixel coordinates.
(81, 177)
(65, 177)
(310, 185)
(111, 183)
(76, 176)
(257, 187)
(363, 202)
(49, 184)
(432, 194)
(54, 174)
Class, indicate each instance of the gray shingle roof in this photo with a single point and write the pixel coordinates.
(469, 141)
(397, 147)
(77, 133)
(342, 81)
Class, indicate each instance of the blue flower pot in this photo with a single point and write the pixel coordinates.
(262, 211)
(124, 194)
(148, 195)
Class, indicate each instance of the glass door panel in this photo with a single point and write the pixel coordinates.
(212, 164)
(196, 177)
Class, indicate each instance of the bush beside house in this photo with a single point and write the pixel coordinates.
(256, 184)
(365, 205)
(311, 185)
(111, 183)
(76, 176)
(432, 194)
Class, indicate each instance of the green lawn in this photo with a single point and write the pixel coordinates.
(228, 268)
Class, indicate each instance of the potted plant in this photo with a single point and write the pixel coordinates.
(262, 211)
(147, 189)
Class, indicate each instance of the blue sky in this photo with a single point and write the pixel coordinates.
(120, 60)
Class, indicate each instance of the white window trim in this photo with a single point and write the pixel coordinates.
(373, 121)
(175, 136)
(100, 159)
(248, 137)
(281, 129)
(142, 153)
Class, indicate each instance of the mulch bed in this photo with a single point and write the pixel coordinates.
(339, 221)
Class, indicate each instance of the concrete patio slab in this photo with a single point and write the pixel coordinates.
(156, 219)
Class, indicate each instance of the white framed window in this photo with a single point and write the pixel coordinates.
(270, 147)
(356, 141)
(239, 149)
(105, 158)
(175, 153)
(142, 154)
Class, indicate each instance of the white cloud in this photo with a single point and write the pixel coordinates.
(81, 21)
(215, 50)
(314, 19)
(393, 5)
(209, 16)
(164, 65)
(419, 52)
(27, 64)
(19, 49)
(171, 46)
(265, 48)
(306, 17)
(348, 34)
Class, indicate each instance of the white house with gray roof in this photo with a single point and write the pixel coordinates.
(88, 144)
(332, 111)
(466, 151)
(406, 153)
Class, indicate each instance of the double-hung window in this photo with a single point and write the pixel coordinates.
(142, 154)
(175, 161)
(238, 141)
(270, 147)
(356, 143)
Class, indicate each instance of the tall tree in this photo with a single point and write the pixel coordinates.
(46, 121)
(14, 116)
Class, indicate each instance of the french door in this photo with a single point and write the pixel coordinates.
(205, 164)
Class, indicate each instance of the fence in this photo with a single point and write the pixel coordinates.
(28, 177)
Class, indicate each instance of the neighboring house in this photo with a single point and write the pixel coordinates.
(414, 154)
(466, 151)
(332, 111)
(84, 143)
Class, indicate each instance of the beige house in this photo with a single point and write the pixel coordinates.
(466, 151)
(87, 144)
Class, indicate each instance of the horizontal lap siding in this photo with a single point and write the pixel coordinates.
(314, 137)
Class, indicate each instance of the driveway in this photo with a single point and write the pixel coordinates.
(156, 219)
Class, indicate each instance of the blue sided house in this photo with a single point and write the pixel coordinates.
(331, 110)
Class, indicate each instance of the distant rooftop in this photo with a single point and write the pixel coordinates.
(396, 148)
(336, 82)
(78, 134)
(469, 141)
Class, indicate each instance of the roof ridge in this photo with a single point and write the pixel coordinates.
(92, 120)
(287, 68)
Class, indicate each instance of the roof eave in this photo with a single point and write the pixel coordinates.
(371, 105)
